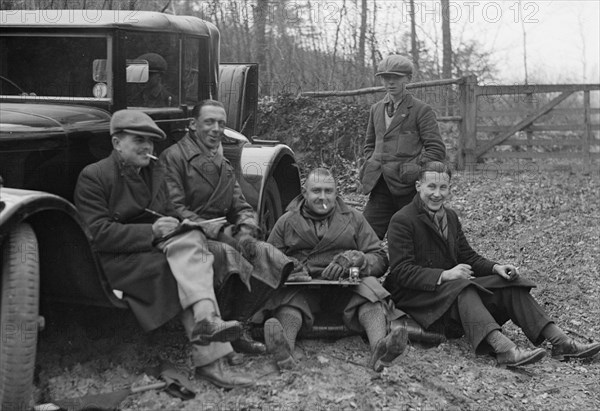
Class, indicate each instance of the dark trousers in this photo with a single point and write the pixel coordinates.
(382, 205)
(480, 314)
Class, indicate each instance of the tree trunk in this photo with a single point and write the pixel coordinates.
(414, 47)
(446, 40)
(260, 17)
(360, 57)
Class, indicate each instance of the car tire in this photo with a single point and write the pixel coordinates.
(19, 308)
(271, 208)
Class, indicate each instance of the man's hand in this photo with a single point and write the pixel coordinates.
(332, 272)
(460, 272)
(163, 226)
(506, 271)
(357, 258)
(242, 230)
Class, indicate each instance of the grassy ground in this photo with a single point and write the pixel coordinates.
(545, 221)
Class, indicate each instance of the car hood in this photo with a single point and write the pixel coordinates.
(39, 120)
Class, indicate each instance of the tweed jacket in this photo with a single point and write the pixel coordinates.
(419, 254)
(412, 139)
(111, 198)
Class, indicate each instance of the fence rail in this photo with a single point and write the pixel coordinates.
(492, 118)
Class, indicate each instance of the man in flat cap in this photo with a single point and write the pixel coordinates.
(156, 261)
(153, 93)
(402, 134)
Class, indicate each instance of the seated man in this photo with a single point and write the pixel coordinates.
(439, 280)
(202, 186)
(153, 93)
(326, 237)
(120, 198)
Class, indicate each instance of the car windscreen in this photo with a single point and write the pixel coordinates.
(50, 66)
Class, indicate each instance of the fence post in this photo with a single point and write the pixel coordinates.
(587, 145)
(468, 125)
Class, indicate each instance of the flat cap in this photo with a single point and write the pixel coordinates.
(156, 62)
(396, 65)
(135, 122)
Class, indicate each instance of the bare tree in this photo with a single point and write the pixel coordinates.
(414, 48)
(446, 40)
(360, 56)
(260, 18)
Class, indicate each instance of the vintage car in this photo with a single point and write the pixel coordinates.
(62, 74)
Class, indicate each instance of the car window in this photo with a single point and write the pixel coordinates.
(161, 52)
(191, 55)
(50, 66)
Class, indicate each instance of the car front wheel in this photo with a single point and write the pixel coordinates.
(19, 308)
(271, 208)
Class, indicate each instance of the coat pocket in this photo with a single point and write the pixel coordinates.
(408, 144)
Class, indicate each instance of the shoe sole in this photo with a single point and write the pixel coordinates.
(225, 334)
(392, 346)
(277, 345)
(585, 354)
(538, 355)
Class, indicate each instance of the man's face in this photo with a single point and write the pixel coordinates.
(433, 189)
(394, 84)
(209, 126)
(320, 193)
(133, 149)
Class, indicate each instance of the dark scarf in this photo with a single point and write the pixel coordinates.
(439, 218)
(320, 221)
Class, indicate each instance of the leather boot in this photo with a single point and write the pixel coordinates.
(247, 345)
(278, 345)
(388, 348)
(573, 349)
(220, 375)
(516, 357)
(215, 329)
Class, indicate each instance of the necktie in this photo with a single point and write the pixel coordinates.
(442, 224)
(390, 108)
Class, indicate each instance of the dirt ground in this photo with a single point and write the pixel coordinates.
(547, 222)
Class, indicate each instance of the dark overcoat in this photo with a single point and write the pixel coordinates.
(295, 236)
(111, 198)
(396, 152)
(419, 254)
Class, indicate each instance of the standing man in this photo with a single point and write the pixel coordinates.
(402, 134)
(439, 280)
(326, 238)
(202, 186)
(144, 250)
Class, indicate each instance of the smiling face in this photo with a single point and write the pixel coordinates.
(209, 126)
(320, 193)
(394, 84)
(133, 148)
(433, 188)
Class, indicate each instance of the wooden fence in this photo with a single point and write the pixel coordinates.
(511, 121)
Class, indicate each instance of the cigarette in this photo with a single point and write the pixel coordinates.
(151, 156)
(325, 206)
(154, 212)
